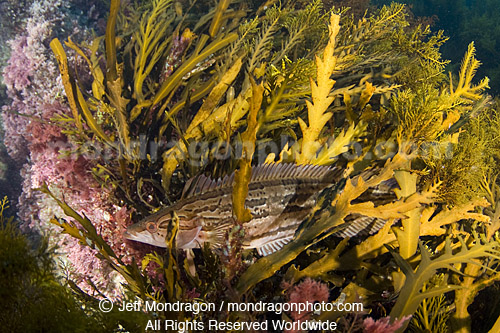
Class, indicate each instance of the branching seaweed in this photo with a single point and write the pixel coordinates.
(412, 295)
(151, 43)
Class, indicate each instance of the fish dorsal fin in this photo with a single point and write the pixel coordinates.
(264, 172)
(199, 184)
(273, 246)
(273, 171)
(187, 187)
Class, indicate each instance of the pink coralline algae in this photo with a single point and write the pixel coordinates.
(383, 325)
(32, 84)
(14, 139)
(43, 131)
(33, 134)
(16, 75)
(308, 291)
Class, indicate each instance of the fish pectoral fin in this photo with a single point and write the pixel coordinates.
(186, 237)
(273, 246)
(216, 237)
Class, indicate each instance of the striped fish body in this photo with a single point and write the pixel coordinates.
(280, 196)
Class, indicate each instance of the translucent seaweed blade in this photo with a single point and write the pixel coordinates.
(190, 63)
(110, 41)
(75, 97)
(217, 20)
(68, 82)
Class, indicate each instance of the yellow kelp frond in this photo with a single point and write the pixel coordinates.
(200, 54)
(411, 295)
(67, 80)
(432, 224)
(465, 89)
(215, 95)
(118, 103)
(110, 41)
(217, 20)
(243, 174)
(209, 119)
(478, 275)
(115, 83)
(338, 145)
(75, 97)
(409, 234)
(151, 42)
(320, 90)
(98, 89)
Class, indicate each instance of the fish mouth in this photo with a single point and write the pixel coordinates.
(129, 235)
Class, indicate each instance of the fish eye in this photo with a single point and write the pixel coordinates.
(151, 227)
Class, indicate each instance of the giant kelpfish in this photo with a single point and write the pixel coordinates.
(280, 197)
